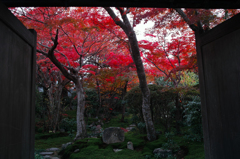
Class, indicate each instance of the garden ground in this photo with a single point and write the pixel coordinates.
(94, 148)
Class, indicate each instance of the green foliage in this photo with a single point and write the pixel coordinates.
(37, 155)
(116, 122)
(69, 125)
(193, 118)
(51, 142)
(170, 144)
(162, 82)
(49, 135)
(162, 104)
(189, 79)
(91, 101)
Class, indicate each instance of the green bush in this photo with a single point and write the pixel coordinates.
(69, 125)
(161, 104)
(91, 101)
(193, 118)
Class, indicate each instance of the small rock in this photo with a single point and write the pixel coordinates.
(162, 153)
(117, 150)
(77, 150)
(66, 145)
(130, 145)
(45, 153)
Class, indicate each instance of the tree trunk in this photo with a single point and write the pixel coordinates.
(99, 98)
(134, 49)
(58, 95)
(123, 105)
(178, 115)
(151, 134)
(81, 126)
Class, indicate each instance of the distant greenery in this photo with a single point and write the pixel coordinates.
(161, 105)
(189, 142)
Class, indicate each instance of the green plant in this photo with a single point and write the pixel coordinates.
(193, 119)
(159, 104)
(69, 125)
(148, 156)
(170, 144)
(141, 126)
(37, 155)
(91, 101)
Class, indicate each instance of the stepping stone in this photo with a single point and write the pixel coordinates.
(117, 150)
(53, 149)
(46, 153)
(47, 157)
(77, 150)
(132, 125)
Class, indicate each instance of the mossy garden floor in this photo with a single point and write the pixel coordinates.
(94, 148)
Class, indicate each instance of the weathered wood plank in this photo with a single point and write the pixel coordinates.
(127, 3)
(17, 91)
(219, 71)
(11, 21)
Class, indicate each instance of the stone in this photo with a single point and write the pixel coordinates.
(45, 153)
(162, 153)
(53, 149)
(77, 150)
(55, 158)
(117, 150)
(132, 125)
(66, 145)
(98, 129)
(62, 130)
(130, 145)
(113, 135)
(47, 157)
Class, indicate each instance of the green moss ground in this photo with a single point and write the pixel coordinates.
(51, 142)
(116, 122)
(93, 148)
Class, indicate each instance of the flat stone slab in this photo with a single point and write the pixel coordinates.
(53, 149)
(47, 157)
(46, 153)
(117, 150)
(132, 125)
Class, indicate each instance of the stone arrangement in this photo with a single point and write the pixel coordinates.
(113, 135)
(50, 153)
(162, 153)
(130, 145)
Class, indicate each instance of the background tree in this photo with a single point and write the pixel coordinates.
(134, 51)
(70, 39)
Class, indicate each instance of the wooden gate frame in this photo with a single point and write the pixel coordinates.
(29, 37)
(209, 128)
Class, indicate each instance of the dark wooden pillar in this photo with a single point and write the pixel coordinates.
(17, 87)
(219, 72)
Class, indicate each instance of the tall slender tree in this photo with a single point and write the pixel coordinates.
(134, 50)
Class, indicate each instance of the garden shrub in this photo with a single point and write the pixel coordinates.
(193, 118)
(69, 125)
(91, 101)
(161, 104)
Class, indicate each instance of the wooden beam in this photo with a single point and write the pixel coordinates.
(125, 3)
